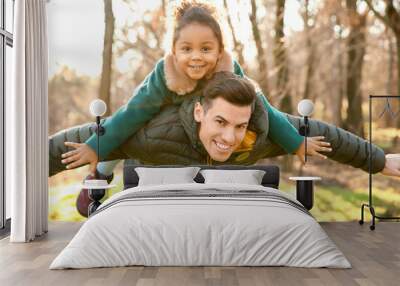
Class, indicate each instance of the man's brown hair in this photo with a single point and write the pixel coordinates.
(233, 88)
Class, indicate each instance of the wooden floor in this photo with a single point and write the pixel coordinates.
(374, 255)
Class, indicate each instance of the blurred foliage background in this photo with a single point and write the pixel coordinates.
(335, 53)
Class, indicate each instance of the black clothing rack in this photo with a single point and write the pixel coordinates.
(370, 202)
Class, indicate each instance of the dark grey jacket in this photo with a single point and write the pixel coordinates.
(172, 138)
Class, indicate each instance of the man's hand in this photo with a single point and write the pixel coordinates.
(82, 155)
(392, 165)
(314, 146)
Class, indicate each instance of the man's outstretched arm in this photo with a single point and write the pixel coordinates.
(348, 148)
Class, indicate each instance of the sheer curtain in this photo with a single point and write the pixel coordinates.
(27, 123)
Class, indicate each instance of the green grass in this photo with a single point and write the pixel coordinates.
(63, 199)
(333, 203)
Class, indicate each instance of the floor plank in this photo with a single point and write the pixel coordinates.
(374, 255)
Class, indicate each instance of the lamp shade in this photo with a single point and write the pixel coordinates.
(305, 107)
(98, 107)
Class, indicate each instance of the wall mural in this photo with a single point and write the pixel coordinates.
(161, 76)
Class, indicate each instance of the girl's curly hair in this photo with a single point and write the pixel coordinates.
(194, 11)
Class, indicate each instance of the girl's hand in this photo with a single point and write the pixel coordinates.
(314, 146)
(392, 165)
(82, 155)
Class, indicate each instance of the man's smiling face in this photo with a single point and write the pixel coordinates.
(223, 127)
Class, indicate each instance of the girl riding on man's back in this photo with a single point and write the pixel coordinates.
(197, 51)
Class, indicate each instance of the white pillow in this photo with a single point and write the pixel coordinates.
(164, 176)
(248, 177)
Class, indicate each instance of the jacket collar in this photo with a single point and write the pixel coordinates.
(178, 82)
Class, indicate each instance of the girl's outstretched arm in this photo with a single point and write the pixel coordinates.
(80, 154)
(145, 103)
(141, 107)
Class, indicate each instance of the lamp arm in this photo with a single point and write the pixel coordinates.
(305, 137)
(98, 141)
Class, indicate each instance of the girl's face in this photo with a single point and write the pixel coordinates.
(196, 51)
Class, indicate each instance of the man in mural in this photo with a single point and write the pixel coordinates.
(225, 124)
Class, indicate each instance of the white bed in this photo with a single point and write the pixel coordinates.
(201, 224)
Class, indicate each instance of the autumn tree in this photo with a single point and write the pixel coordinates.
(69, 98)
(105, 81)
(261, 55)
(391, 19)
(281, 60)
(237, 45)
(356, 44)
(309, 23)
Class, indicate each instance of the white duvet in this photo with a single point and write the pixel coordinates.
(269, 228)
